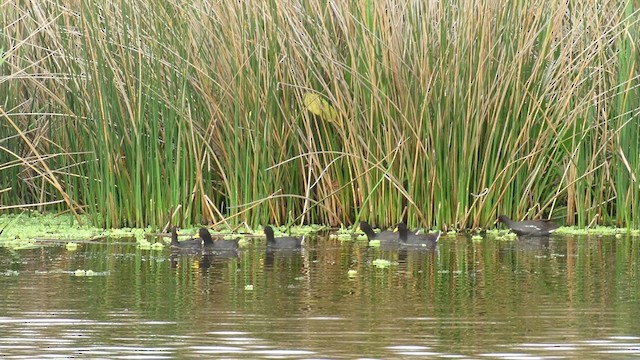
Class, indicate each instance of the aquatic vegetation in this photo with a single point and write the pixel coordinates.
(362, 237)
(356, 111)
(345, 237)
(303, 230)
(352, 273)
(33, 225)
(345, 234)
(477, 237)
(20, 244)
(598, 230)
(507, 236)
(82, 272)
(348, 230)
(32, 229)
(382, 263)
(375, 243)
(500, 234)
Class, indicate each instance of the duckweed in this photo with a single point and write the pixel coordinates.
(477, 237)
(374, 243)
(305, 230)
(243, 242)
(22, 230)
(598, 231)
(80, 272)
(381, 263)
(506, 236)
(349, 231)
(144, 245)
(345, 237)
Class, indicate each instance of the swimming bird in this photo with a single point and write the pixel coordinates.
(195, 243)
(428, 240)
(529, 227)
(285, 242)
(218, 244)
(382, 236)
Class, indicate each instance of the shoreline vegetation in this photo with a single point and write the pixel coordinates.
(139, 114)
(31, 229)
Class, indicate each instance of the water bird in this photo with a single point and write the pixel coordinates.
(382, 236)
(218, 244)
(285, 242)
(195, 243)
(428, 240)
(529, 227)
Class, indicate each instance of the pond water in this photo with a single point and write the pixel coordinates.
(526, 299)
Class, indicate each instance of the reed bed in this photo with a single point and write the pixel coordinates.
(444, 114)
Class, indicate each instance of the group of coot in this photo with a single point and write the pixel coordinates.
(205, 241)
(402, 236)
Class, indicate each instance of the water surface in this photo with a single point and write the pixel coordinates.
(526, 299)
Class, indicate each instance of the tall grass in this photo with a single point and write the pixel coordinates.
(150, 112)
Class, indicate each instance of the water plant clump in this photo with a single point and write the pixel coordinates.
(502, 235)
(383, 263)
(597, 231)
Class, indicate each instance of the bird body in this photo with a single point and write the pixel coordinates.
(191, 244)
(285, 242)
(408, 239)
(529, 227)
(381, 236)
(210, 244)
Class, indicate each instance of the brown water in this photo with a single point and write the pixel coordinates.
(553, 298)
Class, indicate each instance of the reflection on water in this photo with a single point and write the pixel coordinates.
(531, 298)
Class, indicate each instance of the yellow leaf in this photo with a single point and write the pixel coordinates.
(319, 106)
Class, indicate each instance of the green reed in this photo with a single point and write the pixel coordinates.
(149, 113)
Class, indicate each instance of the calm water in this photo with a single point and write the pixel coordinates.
(553, 298)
